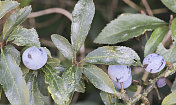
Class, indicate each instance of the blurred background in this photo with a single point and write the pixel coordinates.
(106, 10)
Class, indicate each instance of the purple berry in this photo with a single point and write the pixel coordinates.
(161, 82)
(34, 58)
(119, 73)
(154, 63)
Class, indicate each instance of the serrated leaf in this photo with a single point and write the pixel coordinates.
(83, 14)
(155, 39)
(9, 49)
(127, 26)
(170, 99)
(34, 93)
(56, 85)
(171, 4)
(168, 54)
(106, 98)
(112, 55)
(24, 37)
(99, 78)
(79, 83)
(63, 46)
(6, 6)
(12, 80)
(14, 20)
(173, 30)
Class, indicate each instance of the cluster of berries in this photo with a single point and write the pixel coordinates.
(152, 63)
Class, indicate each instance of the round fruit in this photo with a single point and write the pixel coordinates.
(34, 58)
(161, 82)
(126, 83)
(154, 63)
(119, 73)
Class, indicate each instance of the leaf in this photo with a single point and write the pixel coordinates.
(56, 85)
(12, 80)
(127, 26)
(168, 54)
(99, 78)
(171, 4)
(0, 92)
(9, 49)
(173, 30)
(173, 88)
(106, 98)
(34, 93)
(54, 62)
(155, 39)
(79, 83)
(83, 14)
(24, 37)
(6, 6)
(69, 79)
(14, 20)
(41, 83)
(112, 55)
(170, 99)
(63, 46)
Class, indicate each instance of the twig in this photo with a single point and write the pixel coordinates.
(147, 7)
(133, 5)
(49, 11)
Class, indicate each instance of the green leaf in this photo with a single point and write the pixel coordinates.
(24, 37)
(171, 4)
(34, 93)
(168, 54)
(106, 98)
(56, 85)
(173, 30)
(155, 39)
(170, 99)
(112, 55)
(69, 79)
(173, 88)
(63, 45)
(9, 49)
(127, 26)
(12, 80)
(79, 83)
(82, 18)
(99, 78)
(54, 62)
(6, 6)
(41, 83)
(14, 20)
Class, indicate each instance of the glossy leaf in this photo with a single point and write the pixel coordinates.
(171, 4)
(6, 6)
(82, 18)
(63, 46)
(12, 80)
(168, 54)
(106, 98)
(56, 85)
(112, 55)
(170, 99)
(15, 19)
(155, 39)
(24, 37)
(99, 78)
(127, 26)
(34, 93)
(173, 30)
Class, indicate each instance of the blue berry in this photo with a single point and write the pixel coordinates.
(119, 73)
(161, 82)
(126, 83)
(154, 63)
(34, 58)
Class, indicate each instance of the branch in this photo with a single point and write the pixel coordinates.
(49, 11)
(147, 7)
